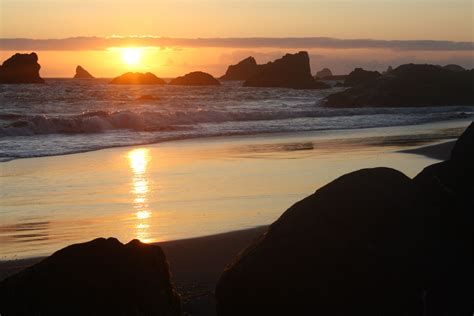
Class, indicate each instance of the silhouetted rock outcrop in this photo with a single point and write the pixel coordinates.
(372, 242)
(100, 277)
(290, 71)
(196, 78)
(339, 251)
(454, 67)
(81, 73)
(241, 71)
(137, 78)
(323, 73)
(21, 68)
(410, 85)
(360, 76)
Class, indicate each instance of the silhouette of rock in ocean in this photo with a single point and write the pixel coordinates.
(454, 67)
(241, 71)
(290, 71)
(410, 85)
(81, 73)
(360, 76)
(100, 277)
(21, 68)
(137, 78)
(372, 242)
(196, 78)
(389, 69)
(323, 73)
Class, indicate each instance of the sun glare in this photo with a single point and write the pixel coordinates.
(131, 56)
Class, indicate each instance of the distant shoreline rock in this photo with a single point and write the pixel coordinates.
(408, 85)
(81, 73)
(21, 68)
(242, 70)
(196, 78)
(290, 71)
(137, 78)
(323, 73)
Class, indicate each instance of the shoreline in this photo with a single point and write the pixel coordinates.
(243, 136)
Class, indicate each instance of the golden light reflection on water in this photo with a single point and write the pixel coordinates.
(138, 161)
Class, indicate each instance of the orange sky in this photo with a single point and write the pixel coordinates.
(189, 19)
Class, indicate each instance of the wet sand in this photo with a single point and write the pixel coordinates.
(196, 263)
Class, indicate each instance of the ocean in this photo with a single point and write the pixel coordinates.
(67, 116)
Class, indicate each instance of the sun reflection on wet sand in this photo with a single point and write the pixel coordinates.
(138, 161)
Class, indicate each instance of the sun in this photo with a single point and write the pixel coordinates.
(131, 56)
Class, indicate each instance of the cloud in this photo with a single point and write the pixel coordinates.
(103, 43)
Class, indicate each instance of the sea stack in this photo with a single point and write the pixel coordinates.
(406, 85)
(21, 68)
(241, 71)
(81, 73)
(100, 277)
(137, 78)
(196, 78)
(323, 73)
(290, 71)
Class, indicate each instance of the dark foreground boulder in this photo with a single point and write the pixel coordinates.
(372, 242)
(360, 76)
(81, 73)
(196, 78)
(21, 68)
(100, 277)
(137, 78)
(241, 71)
(410, 85)
(290, 71)
(339, 251)
(447, 191)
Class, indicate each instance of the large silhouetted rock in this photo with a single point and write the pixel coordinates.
(348, 249)
(241, 71)
(100, 277)
(81, 73)
(196, 78)
(372, 242)
(446, 191)
(290, 71)
(360, 76)
(21, 68)
(410, 85)
(137, 78)
(323, 73)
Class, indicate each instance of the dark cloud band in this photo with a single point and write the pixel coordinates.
(102, 43)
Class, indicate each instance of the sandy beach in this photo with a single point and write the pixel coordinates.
(272, 182)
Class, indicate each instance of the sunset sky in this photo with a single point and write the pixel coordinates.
(402, 20)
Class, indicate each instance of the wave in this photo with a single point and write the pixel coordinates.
(102, 121)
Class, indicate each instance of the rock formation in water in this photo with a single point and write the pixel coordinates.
(137, 78)
(372, 242)
(454, 67)
(196, 78)
(410, 85)
(81, 73)
(290, 71)
(241, 71)
(100, 277)
(21, 68)
(389, 69)
(360, 76)
(323, 73)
